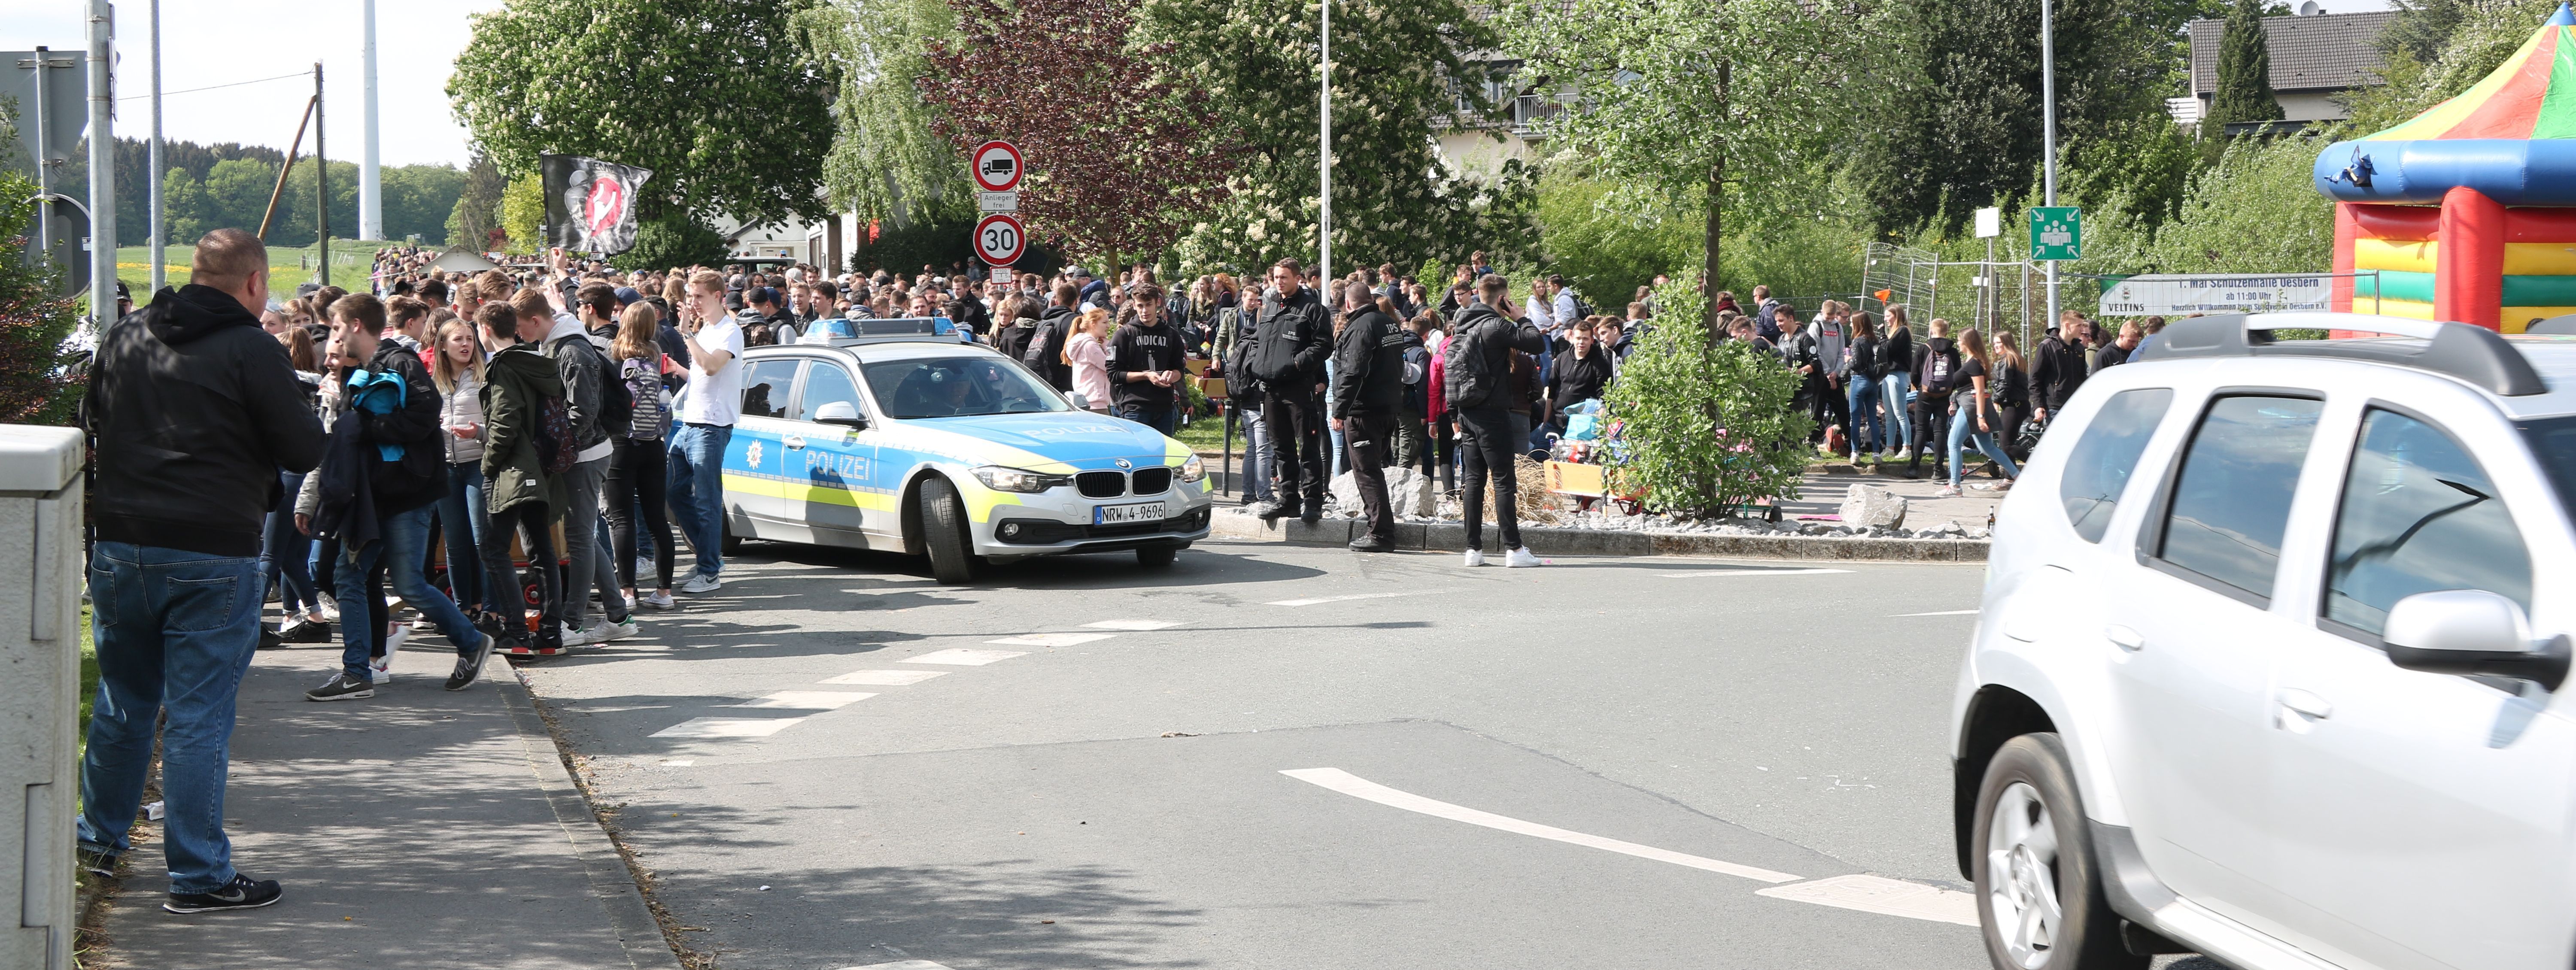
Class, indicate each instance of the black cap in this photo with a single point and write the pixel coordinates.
(733, 300)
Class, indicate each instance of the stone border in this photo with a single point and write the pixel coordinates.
(612, 880)
(1552, 541)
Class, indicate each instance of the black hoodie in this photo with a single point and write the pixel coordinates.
(1368, 366)
(193, 409)
(1045, 351)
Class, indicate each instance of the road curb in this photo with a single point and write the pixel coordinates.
(1552, 541)
(638, 933)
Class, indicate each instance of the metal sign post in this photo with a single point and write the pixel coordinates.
(102, 165)
(1000, 239)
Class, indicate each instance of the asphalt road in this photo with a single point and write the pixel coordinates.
(1604, 763)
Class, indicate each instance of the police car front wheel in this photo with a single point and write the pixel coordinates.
(943, 533)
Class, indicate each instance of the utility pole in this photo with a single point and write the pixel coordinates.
(1324, 162)
(2048, 133)
(160, 243)
(371, 190)
(44, 156)
(102, 165)
(321, 187)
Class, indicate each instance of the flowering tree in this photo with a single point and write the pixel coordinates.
(1120, 157)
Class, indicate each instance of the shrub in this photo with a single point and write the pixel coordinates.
(1704, 429)
(39, 377)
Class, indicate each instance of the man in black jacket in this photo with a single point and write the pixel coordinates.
(392, 407)
(1146, 366)
(193, 409)
(1045, 350)
(1368, 393)
(2059, 368)
(1288, 353)
(1477, 366)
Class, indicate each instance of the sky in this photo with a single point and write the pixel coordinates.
(211, 42)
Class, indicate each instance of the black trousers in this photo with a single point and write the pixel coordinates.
(530, 521)
(1366, 437)
(637, 475)
(2009, 436)
(1932, 433)
(1297, 459)
(1828, 405)
(1486, 433)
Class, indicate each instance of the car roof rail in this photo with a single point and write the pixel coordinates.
(2474, 355)
(844, 332)
(2560, 326)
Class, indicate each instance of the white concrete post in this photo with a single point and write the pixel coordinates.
(40, 575)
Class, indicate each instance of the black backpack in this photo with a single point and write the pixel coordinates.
(1417, 378)
(1941, 372)
(1466, 379)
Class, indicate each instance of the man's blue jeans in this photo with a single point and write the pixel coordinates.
(1163, 418)
(175, 630)
(697, 489)
(405, 535)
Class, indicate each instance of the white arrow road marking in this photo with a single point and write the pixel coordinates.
(1751, 572)
(1869, 894)
(962, 657)
(1358, 787)
(886, 678)
(1942, 613)
(1135, 624)
(1050, 639)
(1342, 599)
(822, 700)
(727, 727)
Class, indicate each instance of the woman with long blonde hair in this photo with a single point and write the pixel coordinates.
(1976, 418)
(1087, 351)
(637, 465)
(456, 366)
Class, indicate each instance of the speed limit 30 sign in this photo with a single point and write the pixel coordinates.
(1000, 239)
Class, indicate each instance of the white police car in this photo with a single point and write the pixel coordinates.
(2269, 665)
(895, 435)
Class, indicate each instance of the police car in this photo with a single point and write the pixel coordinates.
(898, 435)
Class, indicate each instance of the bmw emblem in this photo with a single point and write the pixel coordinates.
(1124, 463)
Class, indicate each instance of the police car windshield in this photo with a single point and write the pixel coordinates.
(956, 387)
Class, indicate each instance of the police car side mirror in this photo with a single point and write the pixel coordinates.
(2472, 632)
(842, 413)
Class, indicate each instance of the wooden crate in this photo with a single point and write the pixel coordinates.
(1571, 478)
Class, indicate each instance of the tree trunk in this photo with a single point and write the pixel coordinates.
(1716, 222)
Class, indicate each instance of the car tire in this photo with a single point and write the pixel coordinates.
(2040, 904)
(943, 533)
(1157, 557)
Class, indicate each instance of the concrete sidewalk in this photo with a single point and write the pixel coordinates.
(420, 828)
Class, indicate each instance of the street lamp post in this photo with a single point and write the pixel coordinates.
(2048, 135)
(1324, 160)
(160, 241)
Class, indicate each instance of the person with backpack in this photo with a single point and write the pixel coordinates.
(602, 410)
(1044, 353)
(381, 474)
(1368, 393)
(638, 469)
(1288, 350)
(1413, 409)
(527, 447)
(1476, 367)
(1936, 364)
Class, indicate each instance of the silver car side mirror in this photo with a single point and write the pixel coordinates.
(2472, 632)
(842, 413)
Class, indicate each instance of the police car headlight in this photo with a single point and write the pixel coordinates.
(1192, 471)
(1001, 479)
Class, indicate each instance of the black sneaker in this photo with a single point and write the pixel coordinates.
(1371, 544)
(305, 631)
(1273, 512)
(469, 665)
(341, 687)
(94, 862)
(1314, 513)
(241, 893)
(269, 639)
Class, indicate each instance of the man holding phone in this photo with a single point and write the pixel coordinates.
(707, 407)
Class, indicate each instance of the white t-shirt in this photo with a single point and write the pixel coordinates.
(714, 398)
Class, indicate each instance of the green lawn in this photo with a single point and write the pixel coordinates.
(287, 267)
(88, 678)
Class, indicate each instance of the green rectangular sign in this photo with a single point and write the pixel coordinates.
(2056, 232)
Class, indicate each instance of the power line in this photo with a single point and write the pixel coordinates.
(211, 87)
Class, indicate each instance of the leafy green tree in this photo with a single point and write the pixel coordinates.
(718, 97)
(886, 163)
(418, 199)
(1609, 240)
(2244, 72)
(1398, 67)
(183, 201)
(237, 192)
(1706, 428)
(478, 206)
(523, 213)
(669, 242)
(38, 384)
(1719, 99)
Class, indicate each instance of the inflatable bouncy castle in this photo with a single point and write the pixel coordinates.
(2467, 212)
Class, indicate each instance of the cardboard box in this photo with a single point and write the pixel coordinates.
(1570, 478)
(1197, 365)
(1212, 387)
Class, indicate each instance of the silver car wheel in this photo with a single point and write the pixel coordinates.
(2021, 874)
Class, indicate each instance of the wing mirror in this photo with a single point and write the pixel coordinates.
(2472, 632)
(842, 413)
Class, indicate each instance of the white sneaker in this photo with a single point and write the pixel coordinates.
(1946, 492)
(382, 668)
(423, 625)
(606, 631)
(582, 638)
(1905, 454)
(1520, 558)
(643, 565)
(330, 611)
(1475, 557)
(659, 600)
(701, 583)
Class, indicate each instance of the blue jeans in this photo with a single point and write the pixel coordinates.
(405, 535)
(696, 495)
(1256, 456)
(175, 630)
(1896, 390)
(460, 520)
(283, 552)
(1866, 432)
(1963, 429)
(1164, 418)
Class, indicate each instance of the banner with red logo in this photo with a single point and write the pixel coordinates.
(590, 204)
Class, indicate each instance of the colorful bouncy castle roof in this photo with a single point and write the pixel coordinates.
(2511, 136)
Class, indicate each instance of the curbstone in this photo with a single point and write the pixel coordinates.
(1551, 541)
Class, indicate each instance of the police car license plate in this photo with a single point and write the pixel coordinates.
(1125, 514)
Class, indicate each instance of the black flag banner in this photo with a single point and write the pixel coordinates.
(590, 204)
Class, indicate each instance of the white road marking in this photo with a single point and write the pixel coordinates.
(1050, 639)
(902, 965)
(1752, 572)
(1941, 613)
(1357, 787)
(963, 657)
(824, 700)
(1353, 596)
(679, 762)
(1135, 624)
(1879, 894)
(886, 678)
(727, 727)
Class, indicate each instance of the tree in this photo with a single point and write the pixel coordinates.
(2244, 72)
(38, 384)
(523, 213)
(1120, 157)
(478, 207)
(1703, 97)
(671, 242)
(1608, 239)
(184, 202)
(237, 192)
(887, 162)
(1400, 68)
(1707, 428)
(717, 97)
